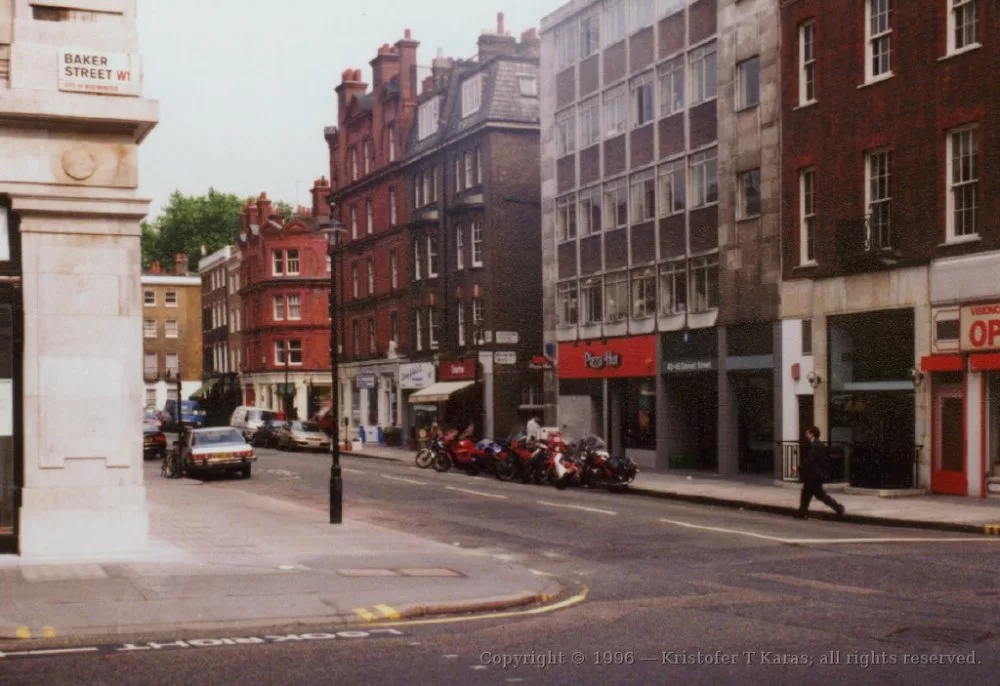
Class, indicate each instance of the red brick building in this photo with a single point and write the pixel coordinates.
(285, 286)
(368, 192)
(891, 238)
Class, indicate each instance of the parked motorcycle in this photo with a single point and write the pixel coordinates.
(515, 460)
(600, 469)
(461, 453)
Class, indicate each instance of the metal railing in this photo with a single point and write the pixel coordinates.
(858, 464)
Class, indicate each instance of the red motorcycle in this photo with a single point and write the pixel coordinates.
(514, 460)
(462, 453)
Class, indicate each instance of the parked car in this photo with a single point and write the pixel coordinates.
(248, 419)
(152, 416)
(191, 414)
(217, 449)
(267, 435)
(154, 443)
(308, 435)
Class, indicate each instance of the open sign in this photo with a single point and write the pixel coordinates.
(980, 326)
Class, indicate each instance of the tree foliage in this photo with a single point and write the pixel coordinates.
(192, 223)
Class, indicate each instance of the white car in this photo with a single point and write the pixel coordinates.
(219, 449)
(307, 435)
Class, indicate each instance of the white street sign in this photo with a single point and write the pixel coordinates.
(505, 357)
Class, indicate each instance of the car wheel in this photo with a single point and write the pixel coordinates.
(246, 471)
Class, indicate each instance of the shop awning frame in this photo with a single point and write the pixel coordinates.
(203, 389)
(439, 392)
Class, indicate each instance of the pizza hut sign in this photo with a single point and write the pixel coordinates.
(609, 360)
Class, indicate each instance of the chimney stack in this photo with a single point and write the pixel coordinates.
(494, 44)
(264, 208)
(154, 268)
(406, 49)
(180, 264)
(350, 85)
(500, 31)
(320, 191)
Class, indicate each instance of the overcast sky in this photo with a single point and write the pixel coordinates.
(246, 86)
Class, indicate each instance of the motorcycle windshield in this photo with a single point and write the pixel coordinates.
(594, 443)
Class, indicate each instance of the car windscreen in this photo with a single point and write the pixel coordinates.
(203, 439)
(309, 427)
(150, 429)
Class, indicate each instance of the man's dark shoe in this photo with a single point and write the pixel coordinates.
(840, 511)
(801, 515)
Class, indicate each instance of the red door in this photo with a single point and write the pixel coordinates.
(948, 459)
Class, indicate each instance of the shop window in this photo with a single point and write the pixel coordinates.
(639, 414)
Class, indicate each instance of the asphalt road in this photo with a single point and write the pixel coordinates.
(677, 593)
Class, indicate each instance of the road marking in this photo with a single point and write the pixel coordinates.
(829, 541)
(365, 614)
(720, 530)
(387, 612)
(399, 478)
(821, 585)
(538, 572)
(478, 667)
(353, 471)
(452, 656)
(577, 507)
(479, 493)
(55, 651)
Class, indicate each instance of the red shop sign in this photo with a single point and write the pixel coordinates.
(619, 357)
(458, 370)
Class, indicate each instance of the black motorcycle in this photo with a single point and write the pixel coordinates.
(600, 469)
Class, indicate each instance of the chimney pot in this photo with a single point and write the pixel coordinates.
(500, 23)
(407, 35)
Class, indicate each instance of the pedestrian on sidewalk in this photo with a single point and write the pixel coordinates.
(813, 471)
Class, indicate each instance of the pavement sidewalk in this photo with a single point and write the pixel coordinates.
(886, 508)
(224, 558)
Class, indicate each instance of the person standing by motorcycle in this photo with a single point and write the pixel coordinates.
(534, 429)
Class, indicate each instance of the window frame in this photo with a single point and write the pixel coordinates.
(393, 216)
(370, 275)
(171, 299)
(150, 369)
(590, 123)
(671, 75)
(956, 7)
(566, 132)
(705, 160)
(642, 196)
(873, 40)
(643, 289)
(709, 266)
(354, 222)
(460, 314)
(743, 199)
(667, 176)
(459, 248)
(615, 103)
(369, 217)
(882, 200)
(642, 99)
(476, 231)
(952, 235)
(807, 216)
(393, 269)
(432, 327)
(293, 262)
(418, 334)
(743, 88)
(150, 332)
(590, 33)
(428, 115)
(807, 62)
(591, 293)
(432, 257)
(590, 206)
(567, 304)
(616, 283)
(673, 276)
(355, 280)
(472, 95)
(612, 209)
(615, 21)
(147, 300)
(700, 80)
(175, 368)
(566, 220)
(416, 259)
(277, 263)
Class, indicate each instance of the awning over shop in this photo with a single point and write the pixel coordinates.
(985, 362)
(941, 363)
(203, 391)
(439, 392)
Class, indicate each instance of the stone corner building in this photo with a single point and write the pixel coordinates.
(70, 308)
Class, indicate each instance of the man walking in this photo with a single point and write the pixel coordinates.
(813, 471)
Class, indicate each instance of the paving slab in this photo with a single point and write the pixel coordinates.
(224, 557)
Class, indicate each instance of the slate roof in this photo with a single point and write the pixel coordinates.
(501, 100)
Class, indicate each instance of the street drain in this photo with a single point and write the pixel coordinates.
(941, 634)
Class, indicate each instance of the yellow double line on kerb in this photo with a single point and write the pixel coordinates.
(992, 529)
(384, 612)
(24, 632)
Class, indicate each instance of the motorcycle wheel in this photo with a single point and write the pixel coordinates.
(504, 470)
(442, 463)
(424, 458)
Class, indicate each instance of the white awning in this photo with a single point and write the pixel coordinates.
(439, 392)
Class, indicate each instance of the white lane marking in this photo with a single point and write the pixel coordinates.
(829, 541)
(538, 572)
(451, 656)
(479, 493)
(577, 507)
(720, 530)
(814, 583)
(51, 651)
(408, 481)
(353, 471)
(478, 667)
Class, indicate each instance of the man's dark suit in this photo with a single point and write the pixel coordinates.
(813, 471)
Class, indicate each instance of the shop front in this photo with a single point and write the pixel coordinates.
(371, 396)
(417, 417)
(457, 397)
(608, 387)
(964, 372)
(689, 371)
(872, 399)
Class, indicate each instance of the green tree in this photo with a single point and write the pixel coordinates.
(191, 223)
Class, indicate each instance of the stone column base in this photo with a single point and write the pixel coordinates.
(84, 522)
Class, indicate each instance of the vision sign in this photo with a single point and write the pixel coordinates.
(980, 325)
(108, 73)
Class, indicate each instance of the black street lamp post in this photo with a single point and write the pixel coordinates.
(333, 229)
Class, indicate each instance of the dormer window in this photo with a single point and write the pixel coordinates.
(427, 117)
(472, 95)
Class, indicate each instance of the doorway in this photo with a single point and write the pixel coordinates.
(948, 460)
